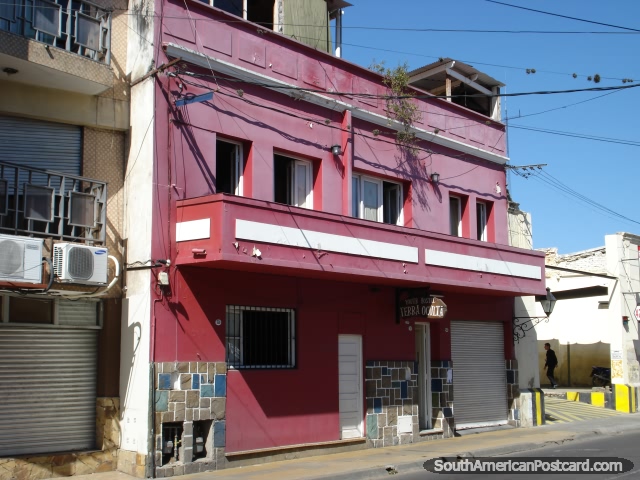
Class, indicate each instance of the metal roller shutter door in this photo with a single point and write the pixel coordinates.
(47, 390)
(46, 145)
(479, 376)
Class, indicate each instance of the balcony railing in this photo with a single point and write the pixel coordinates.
(43, 203)
(80, 27)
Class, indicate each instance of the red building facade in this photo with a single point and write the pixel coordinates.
(294, 223)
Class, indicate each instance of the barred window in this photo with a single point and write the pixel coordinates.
(259, 337)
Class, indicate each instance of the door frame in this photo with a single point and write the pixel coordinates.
(423, 339)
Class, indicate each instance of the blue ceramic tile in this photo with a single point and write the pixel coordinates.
(395, 384)
(195, 382)
(436, 384)
(206, 390)
(415, 367)
(164, 381)
(403, 389)
(162, 401)
(511, 376)
(377, 405)
(385, 371)
(219, 434)
(220, 389)
(369, 363)
(448, 412)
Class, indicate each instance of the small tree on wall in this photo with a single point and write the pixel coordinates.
(400, 106)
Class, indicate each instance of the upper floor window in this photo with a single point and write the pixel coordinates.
(455, 216)
(481, 221)
(229, 167)
(257, 11)
(377, 200)
(293, 181)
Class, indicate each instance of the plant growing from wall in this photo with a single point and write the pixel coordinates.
(399, 103)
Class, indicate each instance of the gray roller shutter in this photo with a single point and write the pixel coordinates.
(479, 376)
(47, 390)
(46, 145)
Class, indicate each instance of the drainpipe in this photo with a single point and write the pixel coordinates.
(339, 33)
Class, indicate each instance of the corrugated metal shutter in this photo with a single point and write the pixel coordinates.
(46, 145)
(47, 390)
(479, 376)
(77, 313)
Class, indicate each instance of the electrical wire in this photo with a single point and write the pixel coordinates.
(562, 16)
(295, 88)
(632, 143)
(550, 181)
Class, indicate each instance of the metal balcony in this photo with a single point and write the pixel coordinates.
(79, 27)
(45, 204)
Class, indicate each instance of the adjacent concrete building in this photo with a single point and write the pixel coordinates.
(64, 115)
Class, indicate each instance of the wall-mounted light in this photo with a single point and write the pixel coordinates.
(435, 177)
(336, 150)
(523, 324)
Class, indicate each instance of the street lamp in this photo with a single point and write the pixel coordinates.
(521, 325)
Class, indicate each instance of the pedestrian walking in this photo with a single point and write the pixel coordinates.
(550, 364)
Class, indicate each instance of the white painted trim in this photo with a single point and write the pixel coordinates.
(469, 82)
(431, 72)
(479, 264)
(196, 58)
(193, 230)
(296, 237)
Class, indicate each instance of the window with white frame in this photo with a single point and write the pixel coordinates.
(229, 167)
(377, 200)
(260, 337)
(455, 216)
(481, 221)
(293, 181)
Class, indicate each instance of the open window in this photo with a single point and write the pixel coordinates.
(257, 11)
(455, 216)
(293, 181)
(481, 221)
(229, 167)
(376, 200)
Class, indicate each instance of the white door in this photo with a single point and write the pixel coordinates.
(350, 385)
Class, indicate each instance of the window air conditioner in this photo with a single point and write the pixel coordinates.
(20, 259)
(74, 263)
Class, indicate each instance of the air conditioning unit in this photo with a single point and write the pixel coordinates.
(20, 259)
(74, 263)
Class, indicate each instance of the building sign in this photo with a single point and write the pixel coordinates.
(417, 303)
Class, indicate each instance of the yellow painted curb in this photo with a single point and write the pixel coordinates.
(573, 396)
(597, 399)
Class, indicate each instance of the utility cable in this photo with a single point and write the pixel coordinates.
(562, 16)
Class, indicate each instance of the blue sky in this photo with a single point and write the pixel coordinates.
(603, 172)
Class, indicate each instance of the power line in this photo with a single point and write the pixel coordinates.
(559, 108)
(425, 96)
(553, 182)
(632, 143)
(563, 16)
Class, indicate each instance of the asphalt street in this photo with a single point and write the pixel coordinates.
(624, 445)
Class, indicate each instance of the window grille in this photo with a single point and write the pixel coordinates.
(259, 337)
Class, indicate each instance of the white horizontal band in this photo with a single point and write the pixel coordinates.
(297, 237)
(479, 264)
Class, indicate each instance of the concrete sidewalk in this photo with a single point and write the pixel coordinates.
(372, 463)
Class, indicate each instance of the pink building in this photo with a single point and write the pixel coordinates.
(325, 288)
